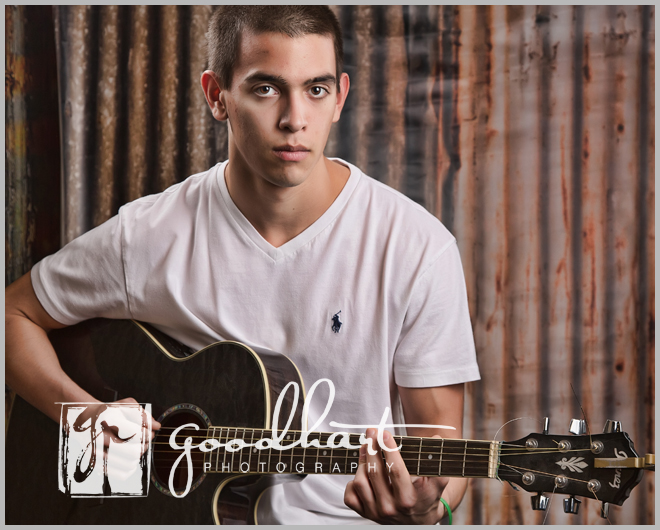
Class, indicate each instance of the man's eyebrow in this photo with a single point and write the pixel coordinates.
(278, 79)
(260, 76)
(328, 78)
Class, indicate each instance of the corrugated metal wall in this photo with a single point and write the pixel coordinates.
(529, 131)
(32, 148)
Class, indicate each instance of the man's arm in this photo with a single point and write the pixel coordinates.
(31, 364)
(437, 406)
(394, 496)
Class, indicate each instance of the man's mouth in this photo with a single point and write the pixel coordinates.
(291, 153)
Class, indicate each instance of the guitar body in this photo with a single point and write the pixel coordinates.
(230, 392)
(226, 383)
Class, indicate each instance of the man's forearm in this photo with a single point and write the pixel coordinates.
(32, 369)
(454, 493)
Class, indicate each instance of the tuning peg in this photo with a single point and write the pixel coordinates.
(577, 427)
(546, 425)
(540, 502)
(605, 510)
(612, 426)
(572, 505)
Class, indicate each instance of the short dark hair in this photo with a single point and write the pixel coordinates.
(229, 22)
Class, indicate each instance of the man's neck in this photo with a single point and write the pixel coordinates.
(281, 213)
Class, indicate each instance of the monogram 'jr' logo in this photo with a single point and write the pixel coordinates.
(336, 323)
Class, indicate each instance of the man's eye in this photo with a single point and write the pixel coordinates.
(265, 91)
(318, 91)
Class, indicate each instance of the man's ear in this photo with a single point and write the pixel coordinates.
(214, 95)
(344, 85)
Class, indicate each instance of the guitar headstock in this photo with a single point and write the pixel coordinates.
(574, 465)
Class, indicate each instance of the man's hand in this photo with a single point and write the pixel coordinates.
(118, 425)
(386, 493)
(93, 411)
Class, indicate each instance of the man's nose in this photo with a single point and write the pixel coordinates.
(294, 117)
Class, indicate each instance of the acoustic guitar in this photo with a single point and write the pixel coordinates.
(229, 392)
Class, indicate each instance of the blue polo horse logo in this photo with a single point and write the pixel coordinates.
(336, 323)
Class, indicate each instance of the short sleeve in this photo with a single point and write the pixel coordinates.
(436, 345)
(85, 279)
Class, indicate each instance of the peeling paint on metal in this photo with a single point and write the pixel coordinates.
(529, 131)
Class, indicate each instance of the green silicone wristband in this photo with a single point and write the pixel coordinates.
(447, 508)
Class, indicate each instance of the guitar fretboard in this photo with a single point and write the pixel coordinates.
(421, 456)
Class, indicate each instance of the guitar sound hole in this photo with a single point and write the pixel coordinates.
(164, 457)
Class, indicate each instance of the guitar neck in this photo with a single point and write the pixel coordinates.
(320, 454)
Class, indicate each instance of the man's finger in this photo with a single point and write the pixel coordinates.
(352, 499)
(361, 486)
(403, 490)
(379, 479)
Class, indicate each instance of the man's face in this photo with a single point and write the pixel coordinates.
(281, 105)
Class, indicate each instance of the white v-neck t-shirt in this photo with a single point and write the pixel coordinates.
(189, 262)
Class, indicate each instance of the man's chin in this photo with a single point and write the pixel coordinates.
(291, 175)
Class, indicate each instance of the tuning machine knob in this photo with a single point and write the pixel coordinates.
(546, 425)
(572, 505)
(577, 427)
(605, 510)
(612, 426)
(540, 502)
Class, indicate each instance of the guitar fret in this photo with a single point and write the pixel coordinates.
(279, 461)
(243, 451)
(331, 460)
(421, 456)
(205, 454)
(442, 447)
(279, 458)
(231, 465)
(260, 453)
(292, 453)
(345, 461)
(217, 451)
(224, 454)
(251, 450)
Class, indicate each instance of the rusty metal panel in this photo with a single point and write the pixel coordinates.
(528, 130)
(32, 209)
(32, 150)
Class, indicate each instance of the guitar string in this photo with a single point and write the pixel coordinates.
(446, 455)
(519, 469)
(504, 446)
(514, 469)
(408, 457)
(486, 453)
(547, 511)
(312, 435)
(473, 451)
(583, 413)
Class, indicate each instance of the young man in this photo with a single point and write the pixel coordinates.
(282, 248)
